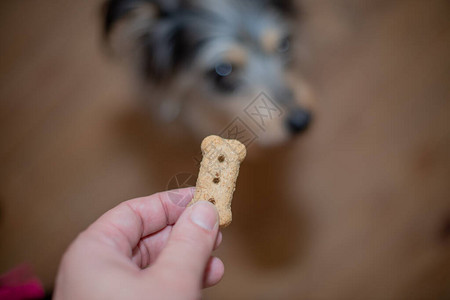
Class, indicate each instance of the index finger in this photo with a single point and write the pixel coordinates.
(124, 225)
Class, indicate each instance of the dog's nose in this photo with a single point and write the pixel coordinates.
(298, 120)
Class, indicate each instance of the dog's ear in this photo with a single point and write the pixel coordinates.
(155, 29)
(117, 10)
(166, 47)
(287, 7)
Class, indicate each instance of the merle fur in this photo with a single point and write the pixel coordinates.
(171, 43)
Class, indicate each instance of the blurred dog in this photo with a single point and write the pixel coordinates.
(212, 61)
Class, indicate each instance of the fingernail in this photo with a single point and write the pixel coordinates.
(204, 215)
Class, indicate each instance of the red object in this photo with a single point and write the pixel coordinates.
(20, 284)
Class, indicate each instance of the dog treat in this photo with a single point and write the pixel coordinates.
(219, 170)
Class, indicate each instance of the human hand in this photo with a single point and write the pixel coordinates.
(146, 248)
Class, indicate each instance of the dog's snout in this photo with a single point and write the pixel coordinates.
(285, 96)
(298, 120)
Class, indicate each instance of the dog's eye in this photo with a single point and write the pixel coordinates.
(284, 45)
(223, 77)
(223, 69)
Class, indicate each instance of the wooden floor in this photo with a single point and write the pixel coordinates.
(357, 208)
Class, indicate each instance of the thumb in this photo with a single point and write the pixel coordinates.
(189, 247)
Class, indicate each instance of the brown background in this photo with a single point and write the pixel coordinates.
(357, 208)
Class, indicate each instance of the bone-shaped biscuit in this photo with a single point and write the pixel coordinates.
(219, 170)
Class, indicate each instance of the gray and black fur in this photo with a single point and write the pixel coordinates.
(233, 49)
